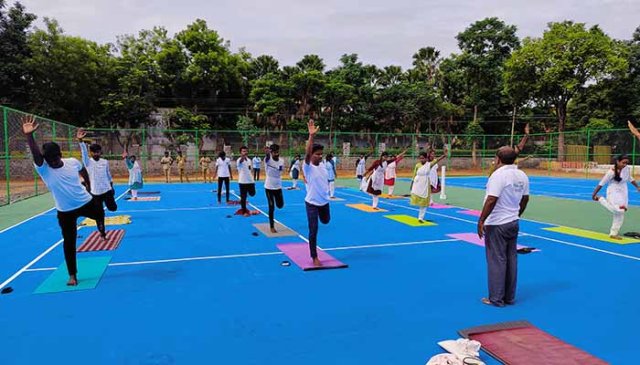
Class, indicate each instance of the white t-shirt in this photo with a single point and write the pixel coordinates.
(224, 167)
(617, 191)
(273, 169)
(509, 185)
(433, 176)
(360, 167)
(317, 183)
(244, 172)
(256, 162)
(99, 174)
(64, 184)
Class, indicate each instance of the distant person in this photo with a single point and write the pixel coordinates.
(223, 172)
(256, 161)
(182, 161)
(205, 161)
(166, 163)
(99, 173)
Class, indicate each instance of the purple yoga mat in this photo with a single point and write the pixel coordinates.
(475, 213)
(473, 239)
(440, 206)
(299, 253)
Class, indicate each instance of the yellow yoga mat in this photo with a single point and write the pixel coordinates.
(409, 220)
(387, 196)
(591, 235)
(366, 208)
(108, 221)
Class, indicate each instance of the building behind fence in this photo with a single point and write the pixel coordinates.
(584, 149)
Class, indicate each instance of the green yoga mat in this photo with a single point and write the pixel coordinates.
(90, 271)
(409, 220)
(591, 235)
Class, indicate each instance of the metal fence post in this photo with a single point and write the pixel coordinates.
(7, 163)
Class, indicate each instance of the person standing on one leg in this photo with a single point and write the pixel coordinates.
(331, 174)
(72, 199)
(433, 174)
(256, 167)
(390, 172)
(421, 184)
(294, 171)
(99, 173)
(617, 200)
(182, 161)
(223, 171)
(135, 175)
(317, 198)
(166, 163)
(245, 180)
(273, 167)
(506, 199)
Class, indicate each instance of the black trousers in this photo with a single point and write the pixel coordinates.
(68, 222)
(108, 199)
(224, 180)
(315, 213)
(275, 199)
(244, 190)
(256, 174)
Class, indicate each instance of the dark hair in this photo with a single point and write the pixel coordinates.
(317, 147)
(51, 150)
(180, 153)
(384, 154)
(507, 156)
(133, 157)
(424, 154)
(166, 152)
(243, 148)
(616, 172)
(222, 155)
(274, 148)
(329, 156)
(95, 147)
(298, 157)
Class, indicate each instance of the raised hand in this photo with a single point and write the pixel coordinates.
(124, 154)
(526, 129)
(81, 133)
(29, 124)
(633, 129)
(313, 128)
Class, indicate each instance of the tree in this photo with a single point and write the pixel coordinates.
(473, 132)
(181, 126)
(262, 66)
(485, 46)
(14, 53)
(563, 62)
(425, 64)
(336, 95)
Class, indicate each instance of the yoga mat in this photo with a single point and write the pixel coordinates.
(148, 193)
(409, 220)
(108, 221)
(521, 343)
(439, 206)
(265, 229)
(365, 208)
(336, 199)
(90, 271)
(387, 196)
(145, 199)
(95, 243)
(299, 253)
(475, 213)
(473, 239)
(591, 235)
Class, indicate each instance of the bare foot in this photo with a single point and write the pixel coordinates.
(135, 198)
(622, 207)
(376, 208)
(615, 237)
(273, 230)
(420, 221)
(73, 281)
(246, 215)
(316, 262)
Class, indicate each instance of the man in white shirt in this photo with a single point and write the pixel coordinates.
(506, 199)
(72, 200)
(99, 173)
(223, 171)
(317, 183)
(256, 167)
(273, 166)
(245, 180)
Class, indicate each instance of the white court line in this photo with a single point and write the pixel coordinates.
(201, 258)
(26, 220)
(189, 208)
(523, 233)
(40, 256)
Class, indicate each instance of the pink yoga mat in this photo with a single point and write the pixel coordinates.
(475, 213)
(473, 239)
(299, 253)
(440, 206)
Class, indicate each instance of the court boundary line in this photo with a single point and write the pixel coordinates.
(42, 254)
(523, 233)
(259, 254)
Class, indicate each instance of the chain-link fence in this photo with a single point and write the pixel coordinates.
(583, 151)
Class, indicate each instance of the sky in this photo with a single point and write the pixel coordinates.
(381, 32)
